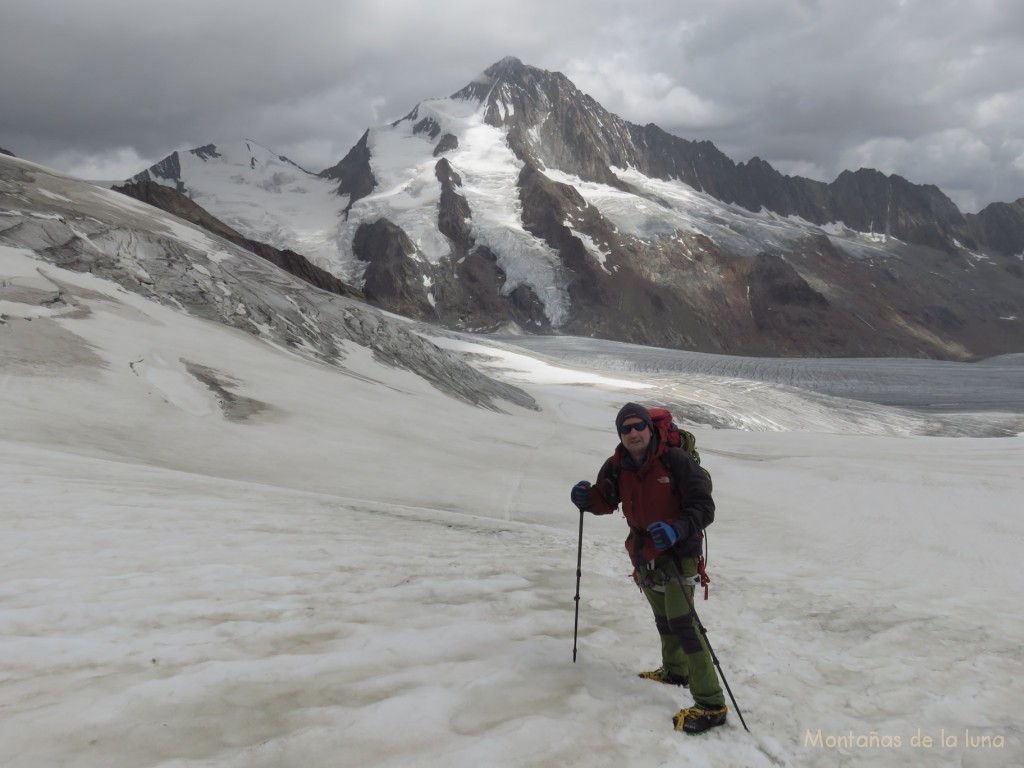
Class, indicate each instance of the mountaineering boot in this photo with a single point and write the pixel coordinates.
(698, 719)
(662, 675)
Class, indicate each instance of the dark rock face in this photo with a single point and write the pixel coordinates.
(786, 310)
(447, 143)
(470, 296)
(1000, 226)
(7, 152)
(453, 216)
(171, 201)
(168, 169)
(789, 196)
(699, 164)
(428, 126)
(774, 285)
(353, 172)
(391, 279)
(869, 201)
(206, 152)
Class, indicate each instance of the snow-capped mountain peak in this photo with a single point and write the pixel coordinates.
(521, 201)
(245, 156)
(259, 193)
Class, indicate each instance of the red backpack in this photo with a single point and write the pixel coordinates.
(670, 433)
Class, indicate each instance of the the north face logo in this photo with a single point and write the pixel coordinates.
(665, 479)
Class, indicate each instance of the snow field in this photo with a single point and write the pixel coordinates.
(368, 572)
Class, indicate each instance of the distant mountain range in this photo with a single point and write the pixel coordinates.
(519, 203)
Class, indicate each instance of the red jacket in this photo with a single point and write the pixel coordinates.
(670, 487)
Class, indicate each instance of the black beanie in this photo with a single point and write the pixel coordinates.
(633, 411)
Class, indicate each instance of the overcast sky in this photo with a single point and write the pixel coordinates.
(930, 89)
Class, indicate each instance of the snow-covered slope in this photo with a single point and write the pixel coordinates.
(657, 208)
(263, 195)
(69, 223)
(224, 549)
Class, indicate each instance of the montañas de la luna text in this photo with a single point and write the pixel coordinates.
(920, 740)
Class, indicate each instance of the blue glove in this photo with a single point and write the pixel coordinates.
(581, 495)
(664, 535)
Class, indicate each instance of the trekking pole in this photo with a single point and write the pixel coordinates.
(704, 632)
(579, 573)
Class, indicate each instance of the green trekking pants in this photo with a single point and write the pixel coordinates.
(684, 651)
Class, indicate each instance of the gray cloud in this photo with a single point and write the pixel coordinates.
(928, 89)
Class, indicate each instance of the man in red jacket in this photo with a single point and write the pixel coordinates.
(666, 499)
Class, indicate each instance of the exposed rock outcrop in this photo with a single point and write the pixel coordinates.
(391, 277)
(1001, 227)
(353, 173)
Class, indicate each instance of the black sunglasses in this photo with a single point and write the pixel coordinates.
(625, 429)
